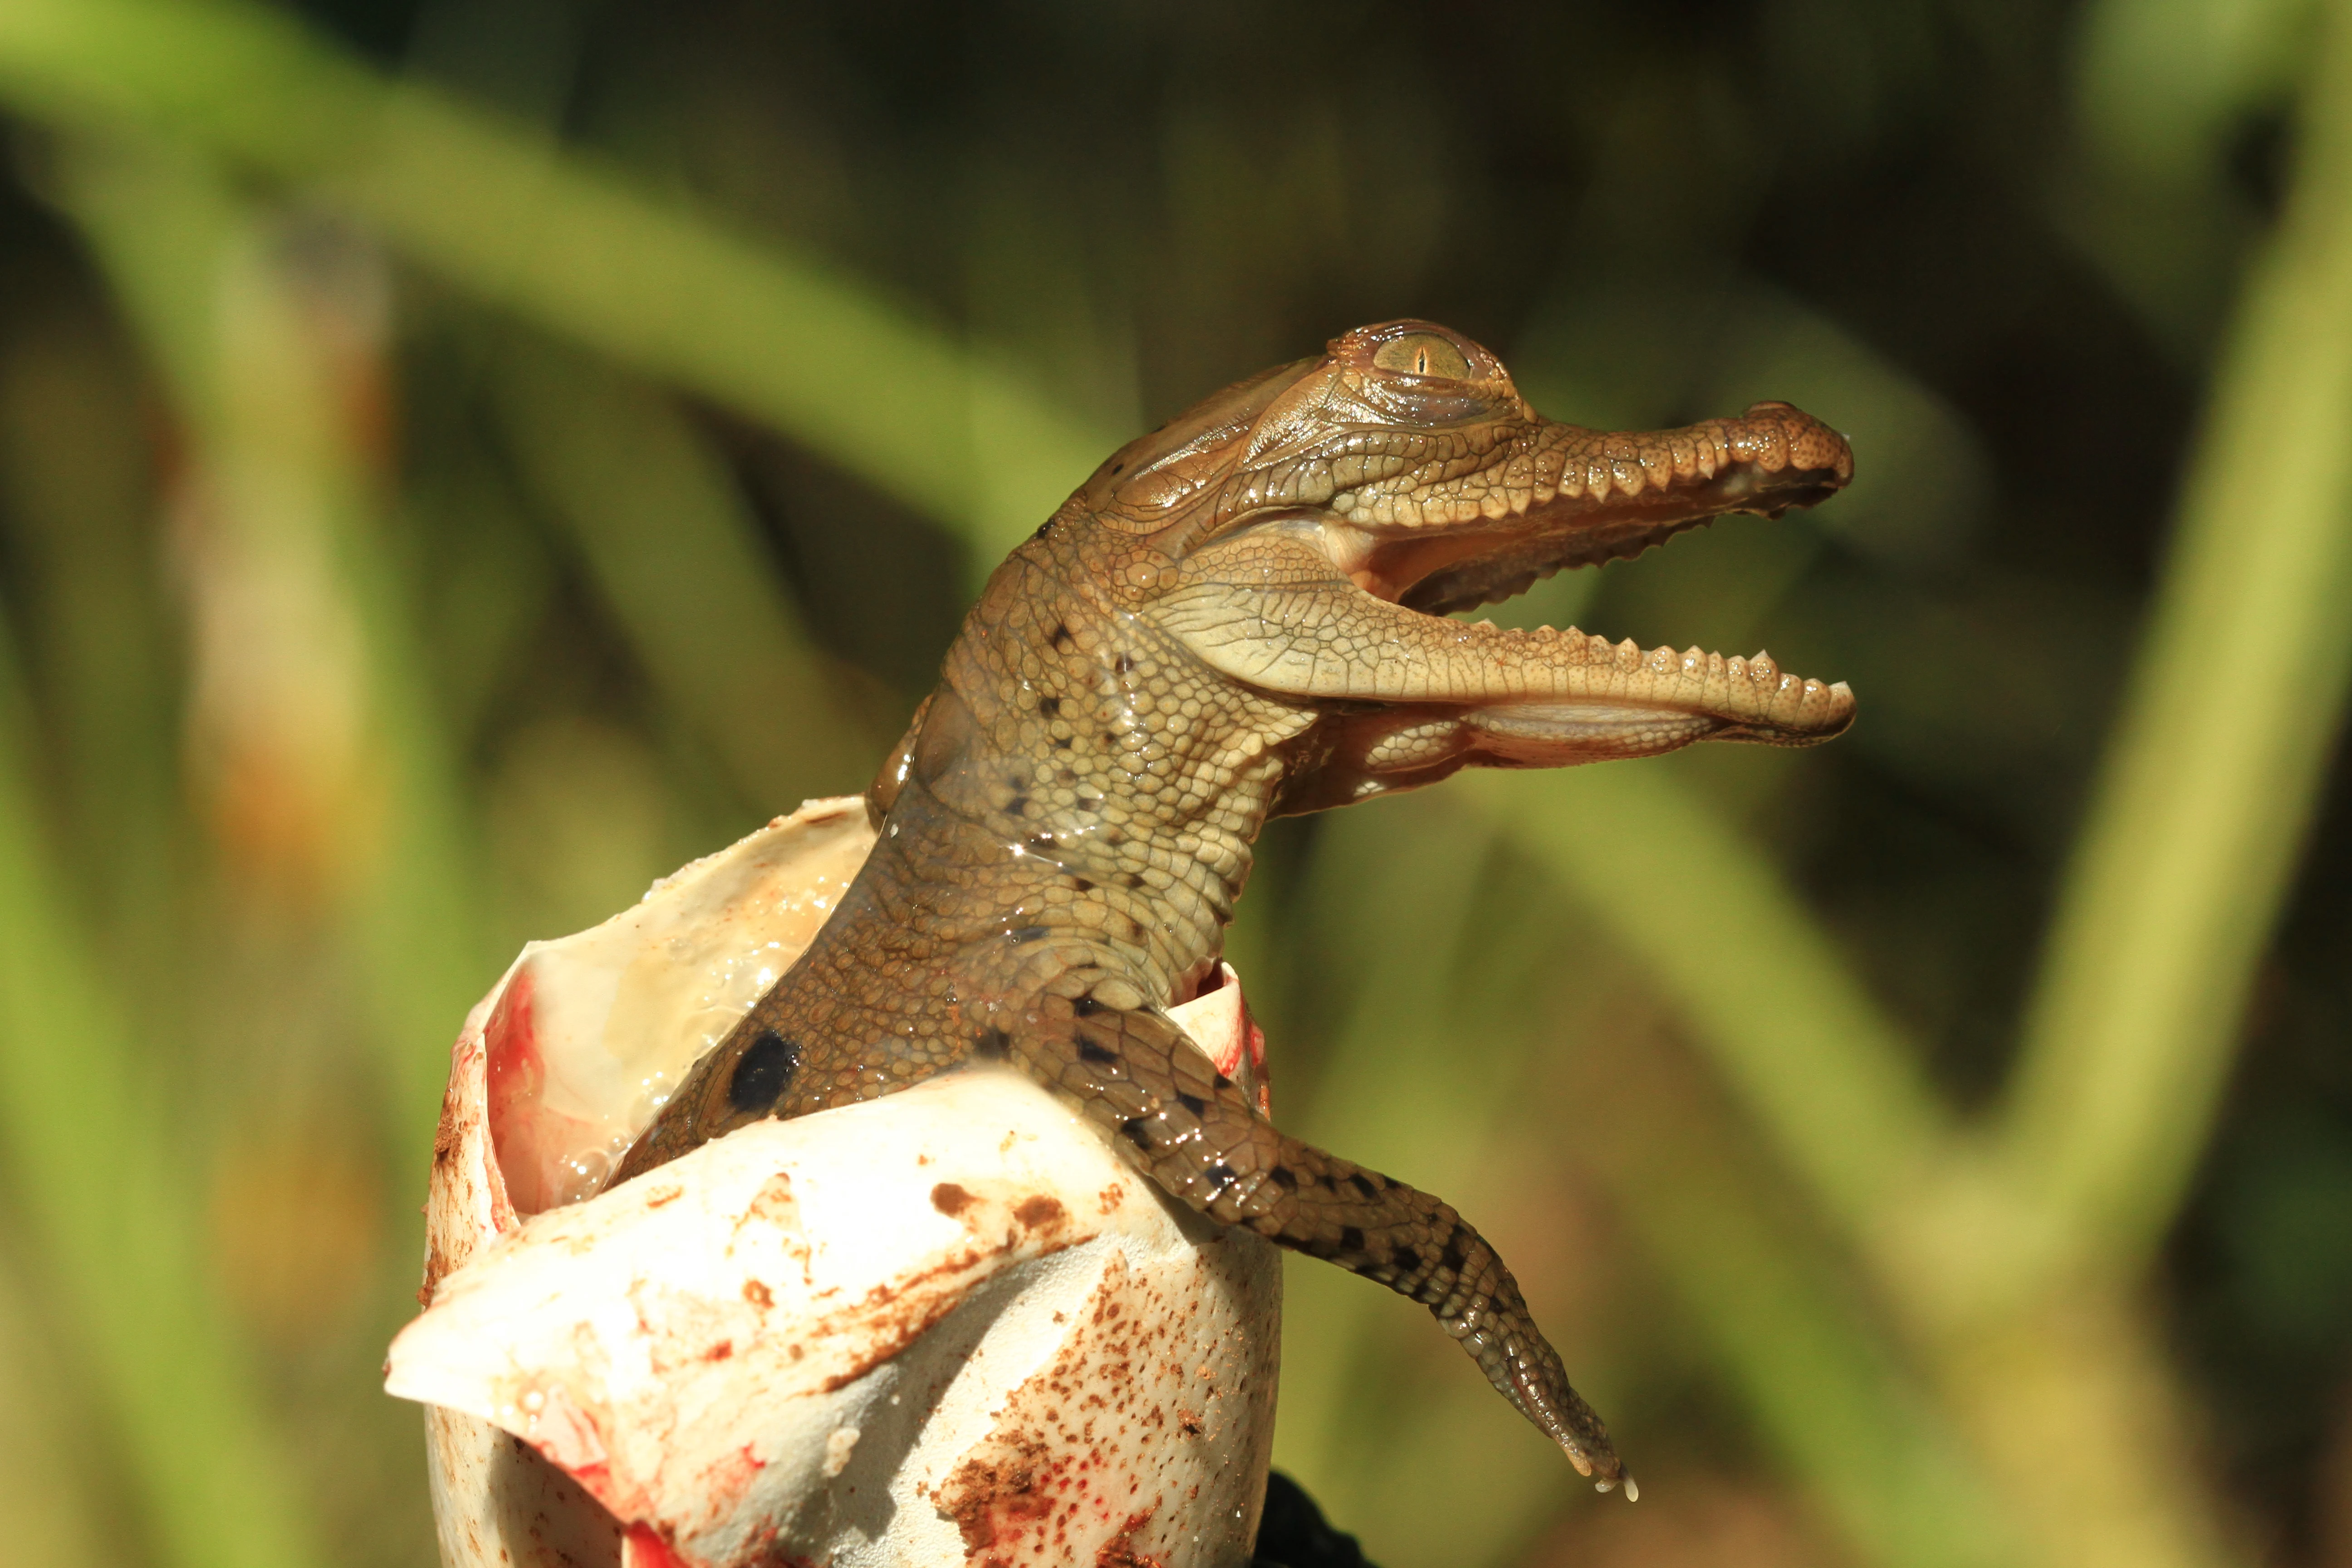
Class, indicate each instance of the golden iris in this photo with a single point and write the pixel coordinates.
(1422, 353)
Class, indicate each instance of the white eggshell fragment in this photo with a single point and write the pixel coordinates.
(949, 1325)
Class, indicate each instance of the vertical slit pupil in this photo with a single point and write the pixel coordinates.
(762, 1071)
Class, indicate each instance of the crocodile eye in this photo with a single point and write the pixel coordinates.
(1422, 353)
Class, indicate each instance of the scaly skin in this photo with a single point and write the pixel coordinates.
(1242, 615)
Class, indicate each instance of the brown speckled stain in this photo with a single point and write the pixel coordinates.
(1069, 1472)
(1120, 1551)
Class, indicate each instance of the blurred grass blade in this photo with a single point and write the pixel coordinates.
(89, 1157)
(78, 505)
(2164, 92)
(289, 501)
(664, 530)
(46, 1493)
(2211, 780)
(570, 245)
(1810, 1056)
(1827, 1390)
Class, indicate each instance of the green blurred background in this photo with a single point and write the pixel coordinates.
(460, 459)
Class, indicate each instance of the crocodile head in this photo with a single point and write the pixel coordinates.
(1308, 533)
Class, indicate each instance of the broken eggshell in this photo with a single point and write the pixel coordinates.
(947, 1325)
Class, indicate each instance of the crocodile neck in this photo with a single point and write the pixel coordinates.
(1083, 792)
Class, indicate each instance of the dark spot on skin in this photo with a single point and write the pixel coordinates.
(1406, 1257)
(1132, 879)
(1193, 1104)
(993, 1043)
(1063, 744)
(1062, 638)
(1351, 1239)
(1044, 529)
(1124, 664)
(762, 1072)
(1363, 1184)
(951, 1199)
(1018, 805)
(1116, 467)
(1284, 1177)
(1086, 1007)
(1049, 706)
(1041, 844)
(1222, 1174)
(1082, 885)
(1089, 1050)
(1223, 1082)
(1457, 1252)
(1028, 933)
(1137, 1132)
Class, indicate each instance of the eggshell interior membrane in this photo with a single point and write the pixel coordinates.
(949, 1325)
(592, 1032)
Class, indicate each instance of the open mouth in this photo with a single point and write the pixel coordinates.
(1569, 498)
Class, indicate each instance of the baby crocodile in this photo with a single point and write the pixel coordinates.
(1244, 615)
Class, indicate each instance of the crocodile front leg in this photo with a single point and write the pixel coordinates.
(1193, 1131)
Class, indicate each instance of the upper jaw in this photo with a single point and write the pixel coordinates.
(1556, 496)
